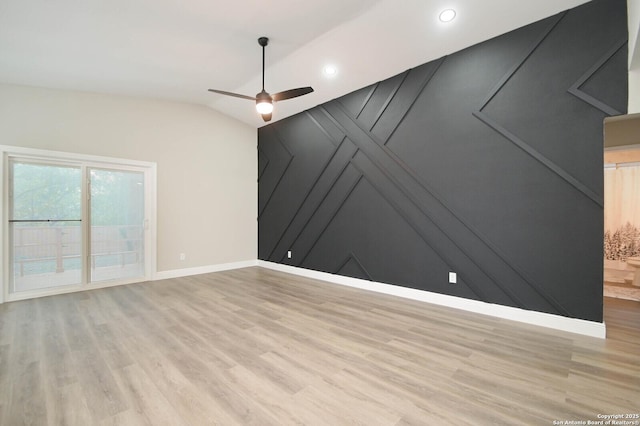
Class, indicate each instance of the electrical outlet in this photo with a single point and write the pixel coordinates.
(289, 254)
(183, 256)
(453, 278)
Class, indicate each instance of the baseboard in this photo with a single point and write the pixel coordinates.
(161, 275)
(557, 322)
(185, 272)
(44, 292)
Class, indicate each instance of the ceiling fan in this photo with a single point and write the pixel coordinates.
(264, 101)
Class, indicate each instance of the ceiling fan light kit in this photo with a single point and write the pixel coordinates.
(264, 101)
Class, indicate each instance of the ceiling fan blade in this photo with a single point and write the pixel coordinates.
(235, 95)
(266, 117)
(292, 93)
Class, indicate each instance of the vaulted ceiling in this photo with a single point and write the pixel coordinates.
(176, 50)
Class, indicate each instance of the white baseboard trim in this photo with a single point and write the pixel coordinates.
(177, 273)
(54, 291)
(557, 322)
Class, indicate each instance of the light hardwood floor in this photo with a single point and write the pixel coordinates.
(254, 346)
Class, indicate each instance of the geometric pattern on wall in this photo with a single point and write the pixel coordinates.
(487, 162)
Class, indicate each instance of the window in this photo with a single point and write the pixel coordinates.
(73, 222)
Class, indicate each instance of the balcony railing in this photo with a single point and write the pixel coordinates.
(44, 249)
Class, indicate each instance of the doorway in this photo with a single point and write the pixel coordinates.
(75, 223)
(622, 223)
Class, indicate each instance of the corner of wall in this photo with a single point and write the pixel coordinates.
(633, 16)
(186, 272)
(634, 90)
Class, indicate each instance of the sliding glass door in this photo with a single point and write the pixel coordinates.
(117, 224)
(45, 225)
(73, 224)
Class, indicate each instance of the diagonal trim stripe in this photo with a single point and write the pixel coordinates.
(539, 157)
(306, 197)
(388, 100)
(340, 110)
(594, 102)
(555, 20)
(284, 171)
(336, 110)
(424, 84)
(266, 164)
(332, 216)
(352, 256)
(367, 99)
(469, 283)
(338, 145)
(479, 114)
(323, 130)
(363, 105)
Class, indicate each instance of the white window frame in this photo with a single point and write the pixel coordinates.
(149, 170)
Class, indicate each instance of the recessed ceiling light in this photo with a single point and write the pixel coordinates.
(330, 70)
(447, 15)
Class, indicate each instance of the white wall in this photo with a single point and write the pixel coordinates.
(207, 162)
(633, 9)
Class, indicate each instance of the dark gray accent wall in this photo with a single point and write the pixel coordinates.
(487, 162)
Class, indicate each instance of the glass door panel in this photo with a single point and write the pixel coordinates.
(117, 224)
(45, 225)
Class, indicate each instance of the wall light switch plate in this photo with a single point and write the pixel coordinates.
(453, 278)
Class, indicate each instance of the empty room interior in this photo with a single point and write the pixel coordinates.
(341, 212)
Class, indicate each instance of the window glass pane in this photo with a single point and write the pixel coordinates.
(117, 224)
(45, 191)
(45, 226)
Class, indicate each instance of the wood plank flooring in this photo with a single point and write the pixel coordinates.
(259, 347)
